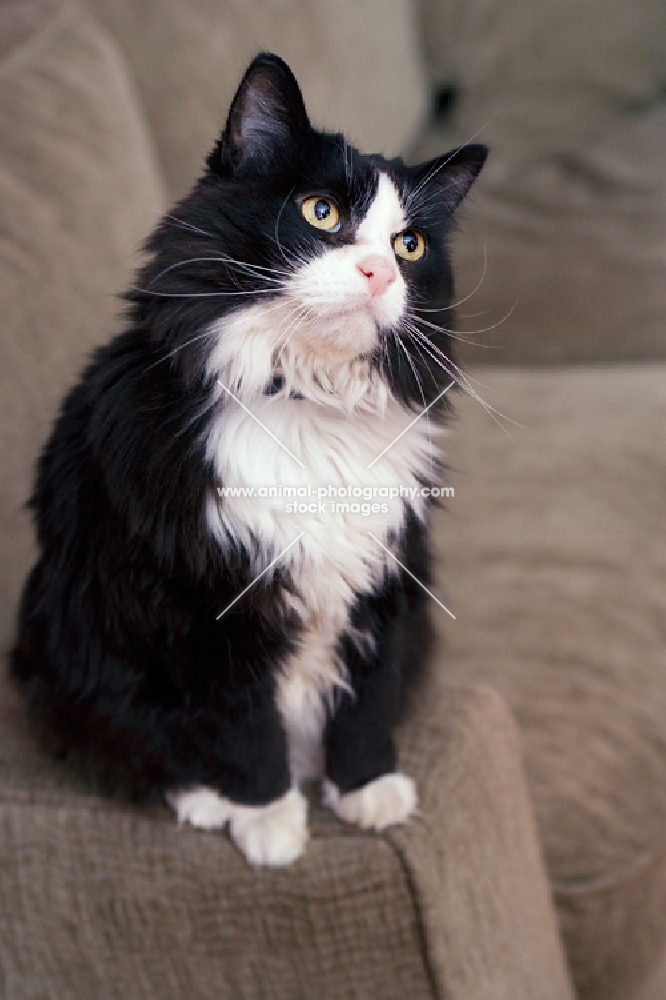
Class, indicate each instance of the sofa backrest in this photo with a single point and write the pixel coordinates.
(571, 207)
(79, 188)
(358, 63)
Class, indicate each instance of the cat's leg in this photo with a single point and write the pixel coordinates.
(233, 770)
(363, 785)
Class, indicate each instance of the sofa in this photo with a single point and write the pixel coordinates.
(536, 868)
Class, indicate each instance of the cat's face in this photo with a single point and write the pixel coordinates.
(352, 282)
(297, 252)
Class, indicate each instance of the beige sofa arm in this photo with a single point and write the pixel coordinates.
(473, 860)
(100, 899)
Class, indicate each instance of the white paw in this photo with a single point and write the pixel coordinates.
(272, 835)
(383, 802)
(275, 834)
(202, 807)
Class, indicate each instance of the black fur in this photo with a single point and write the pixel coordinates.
(119, 651)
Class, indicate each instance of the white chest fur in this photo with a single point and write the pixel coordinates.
(336, 556)
(342, 489)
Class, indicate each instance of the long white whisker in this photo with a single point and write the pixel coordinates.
(411, 365)
(277, 226)
(425, 405)
(411, 315)
(202, 295)
(417, 346)
(454, 305)
(457, 374)
(188, 225)
(181, 347)
(296, 316)
(433, 173)
(252, 268)
(484, 329)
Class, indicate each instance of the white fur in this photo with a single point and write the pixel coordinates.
(316, 336)
(306, 690)
(332, 289)
(202, 807)
(384, 802)
(336, 558)
(385, 218)
(274, 835)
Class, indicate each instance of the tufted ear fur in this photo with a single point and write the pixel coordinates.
(266, 117)
(451, 174)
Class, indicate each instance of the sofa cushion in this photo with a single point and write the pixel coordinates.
(79, 188)
(188, 60)
(554, 560)
(572, 203)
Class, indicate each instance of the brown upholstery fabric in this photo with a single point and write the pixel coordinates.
(572, 203)
(78, 191)
(554, 556)
(655, 989)
(358, 64)
(511, 58)
(103, 900)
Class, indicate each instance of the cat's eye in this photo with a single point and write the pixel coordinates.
(322, 213)
(409, 244)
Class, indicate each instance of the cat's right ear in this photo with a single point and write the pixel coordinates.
(266, 118)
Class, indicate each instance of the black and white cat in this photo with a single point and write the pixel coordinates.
(289, 326)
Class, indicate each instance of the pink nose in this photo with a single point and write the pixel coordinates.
(379, 271)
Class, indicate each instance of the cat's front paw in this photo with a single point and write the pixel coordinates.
(273, 835)
(202, 807)
(383, 802)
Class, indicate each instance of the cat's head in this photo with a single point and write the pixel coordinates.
(296, 256)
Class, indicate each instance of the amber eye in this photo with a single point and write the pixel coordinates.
(322, 213)
(409, 244)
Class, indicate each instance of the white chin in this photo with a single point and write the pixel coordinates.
(352, 332)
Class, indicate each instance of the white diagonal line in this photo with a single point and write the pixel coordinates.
(260, 576)
(417, 417)
(260, 423)
(416, 580)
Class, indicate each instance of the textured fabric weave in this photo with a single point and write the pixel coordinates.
(103, 900)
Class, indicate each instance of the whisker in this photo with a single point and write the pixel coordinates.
(297, 315)
(420, 385)
(188, 225)
(461, 378)
(411, 365)
(484, 329)
(454, 305)
(387, 356)
(427, 366)
(181, 347)
(452, 334)
(202, 295)
(277, 225)
(252, 268)
(433, 173)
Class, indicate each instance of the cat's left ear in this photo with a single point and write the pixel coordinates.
(266, 118)
(452, 174)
